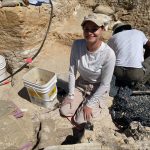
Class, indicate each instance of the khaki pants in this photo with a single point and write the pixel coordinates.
(129, 74)
(76, 111)
(141, 75)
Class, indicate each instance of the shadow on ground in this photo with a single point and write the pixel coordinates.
(75, 138)
(24, 94)
(62, 87)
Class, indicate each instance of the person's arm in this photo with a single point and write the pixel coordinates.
(147, 49)
(72, 69)
(72, 76)
(106, 76)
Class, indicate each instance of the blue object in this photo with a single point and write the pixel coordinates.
(38, 2)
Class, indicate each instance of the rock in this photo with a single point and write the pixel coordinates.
(82, 146)
(107, 19)
(88, 3)
(137, 131)
(131, 140)
(19, 25)
(21, 130)
(104, 10)
(47, 134)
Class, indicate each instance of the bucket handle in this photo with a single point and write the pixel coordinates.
(37, 93)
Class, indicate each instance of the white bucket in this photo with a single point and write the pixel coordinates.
(41, 86)
(3, 72)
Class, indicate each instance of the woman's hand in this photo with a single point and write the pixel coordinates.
(87, 112)
(66, 101)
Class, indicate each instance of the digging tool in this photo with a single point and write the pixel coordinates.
(141, 92)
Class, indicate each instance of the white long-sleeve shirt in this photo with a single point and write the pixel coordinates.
(94, 67)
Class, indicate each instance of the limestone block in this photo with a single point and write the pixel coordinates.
(22, 28)
(83, 146)
(104, 10)
(15, 133)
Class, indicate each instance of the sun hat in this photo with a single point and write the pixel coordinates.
(93, 18)
(121, 25)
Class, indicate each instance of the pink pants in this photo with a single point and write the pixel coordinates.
(76, 111)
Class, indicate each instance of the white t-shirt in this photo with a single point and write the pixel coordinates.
(128, 47)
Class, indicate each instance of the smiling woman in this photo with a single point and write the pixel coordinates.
(92, 34)
(95, 61)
